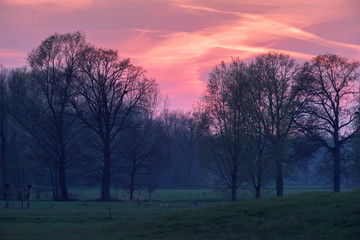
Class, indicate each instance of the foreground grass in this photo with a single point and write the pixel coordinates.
(305, 216)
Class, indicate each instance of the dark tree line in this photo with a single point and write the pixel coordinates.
(71, 86)
(80, 112)
(252, 114)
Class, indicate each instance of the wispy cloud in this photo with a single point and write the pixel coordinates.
(182, 58)
(69, 4)
(254, 23)
(179, 41)
(11, 58)
(11, 53)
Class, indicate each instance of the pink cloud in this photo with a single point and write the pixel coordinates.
(180, 41)
(68, 4)
(11, 58)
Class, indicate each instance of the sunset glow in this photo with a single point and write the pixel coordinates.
(179, 41)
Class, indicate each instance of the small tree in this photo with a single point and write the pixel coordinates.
(143, 150)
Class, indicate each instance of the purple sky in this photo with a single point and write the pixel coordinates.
(179, 41)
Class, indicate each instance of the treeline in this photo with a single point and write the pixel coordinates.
(260, 120)
(80, 114)
(80, 111)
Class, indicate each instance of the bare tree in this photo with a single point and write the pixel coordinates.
(143, 151)
(108, 93)
(42, 98)
(258, 166)
(4, 73)
(277, 108)
(222, 123)
(331, 115)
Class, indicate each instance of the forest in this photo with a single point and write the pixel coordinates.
(79, 115)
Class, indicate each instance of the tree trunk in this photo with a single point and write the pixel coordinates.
(257, 191)
(62, 180)
(190, 158)
(188, 174)
(233, 193)
(279, 172)
(132, 185)
(233, 188)
(54, 182)
(62, 168)
(337, 169)
(105, 180)
(259, 176)
(279, 178)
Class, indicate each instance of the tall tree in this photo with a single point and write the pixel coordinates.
(43, 97)
(331, 115)
(258, 168)
(4, 73)
(277, 108)
(222, 123)
(108, 93)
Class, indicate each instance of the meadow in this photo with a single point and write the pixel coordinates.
(173, 214)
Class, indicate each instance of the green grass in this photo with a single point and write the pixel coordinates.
(318, 215)
(164, 195)
(82, 194)
(244, 193)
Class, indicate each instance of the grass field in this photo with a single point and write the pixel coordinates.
(317, 215)
(82, 194)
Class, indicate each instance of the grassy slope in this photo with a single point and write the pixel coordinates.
(304, 216)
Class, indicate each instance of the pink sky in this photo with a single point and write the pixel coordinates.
(179, 41)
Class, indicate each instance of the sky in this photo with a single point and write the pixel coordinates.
(178, 42)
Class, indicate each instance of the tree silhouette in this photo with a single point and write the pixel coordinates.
(331, 115)
(108, 92)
